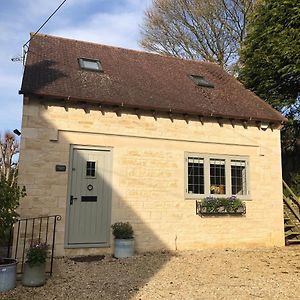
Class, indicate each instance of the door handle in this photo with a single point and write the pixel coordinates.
(72, 199)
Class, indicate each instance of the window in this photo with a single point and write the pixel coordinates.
(90, 64)
(216, 175)
(91, 169)
(201, 81)
(238, 177)
(195, 175)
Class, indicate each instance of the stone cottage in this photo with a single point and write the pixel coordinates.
(111, 134)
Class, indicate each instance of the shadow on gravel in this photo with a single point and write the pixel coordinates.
(107, 278)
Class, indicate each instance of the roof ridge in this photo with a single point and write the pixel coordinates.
(129, 50)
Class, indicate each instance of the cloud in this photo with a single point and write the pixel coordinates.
(9, 81)
(11, 111)
(117, 30)
(119, 27)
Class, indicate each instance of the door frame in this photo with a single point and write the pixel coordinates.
(109, 204)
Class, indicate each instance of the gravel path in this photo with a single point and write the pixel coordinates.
(206, 274)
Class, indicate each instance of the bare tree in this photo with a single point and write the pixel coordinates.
(196, 29)
(9, 147)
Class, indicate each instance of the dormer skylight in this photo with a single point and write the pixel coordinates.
(201, 81)
(90, 64)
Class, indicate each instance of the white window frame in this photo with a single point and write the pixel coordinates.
(228, 186)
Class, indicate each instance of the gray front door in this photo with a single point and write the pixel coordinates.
(90, 196)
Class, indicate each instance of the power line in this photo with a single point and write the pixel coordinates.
(44, 23)
(25, 46)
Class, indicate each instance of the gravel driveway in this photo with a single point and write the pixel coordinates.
(206, 274)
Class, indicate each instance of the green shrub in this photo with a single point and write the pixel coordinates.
(122, 230)
(37, 253)
(9, 201)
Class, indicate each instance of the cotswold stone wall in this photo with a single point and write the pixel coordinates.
(148, 176)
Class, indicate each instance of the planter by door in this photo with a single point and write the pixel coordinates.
(124, 248)
(35, 275)
(8, 274)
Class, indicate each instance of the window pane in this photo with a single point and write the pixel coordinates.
(91, 168)
(217, 176)
(90, 64)
(201, 81)
(195, 175)
(238, 177)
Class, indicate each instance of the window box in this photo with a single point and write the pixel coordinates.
(220, 206)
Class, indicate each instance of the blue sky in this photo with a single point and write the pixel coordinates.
(114, 22)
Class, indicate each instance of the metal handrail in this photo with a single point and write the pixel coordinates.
(27, 230)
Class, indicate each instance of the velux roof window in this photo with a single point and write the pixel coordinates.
(201, 81)
(90, 64)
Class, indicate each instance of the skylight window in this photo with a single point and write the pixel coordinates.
(90, 64)
(201, 81)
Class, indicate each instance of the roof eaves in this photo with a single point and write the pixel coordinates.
(280, 120)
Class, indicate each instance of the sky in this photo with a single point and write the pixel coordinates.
(110, 22)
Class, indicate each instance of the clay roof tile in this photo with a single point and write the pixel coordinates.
(137, 79)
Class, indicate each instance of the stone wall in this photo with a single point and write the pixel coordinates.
(148, 176)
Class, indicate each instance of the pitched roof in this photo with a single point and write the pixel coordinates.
(136, 79)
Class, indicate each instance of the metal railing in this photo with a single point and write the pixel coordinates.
(26, 231)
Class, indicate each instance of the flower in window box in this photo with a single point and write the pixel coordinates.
(213, 205)
(234, 205)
